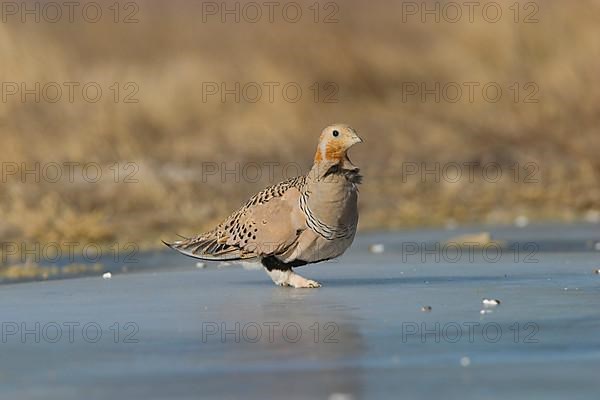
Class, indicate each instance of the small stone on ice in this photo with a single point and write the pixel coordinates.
(592, 216)
(200, 265)
(491, 302)
(426, 309)
(597, 271)
(521, 221)
(451, 224)
(106, 275)
(376, 248)
(465, 361)
(341, 396)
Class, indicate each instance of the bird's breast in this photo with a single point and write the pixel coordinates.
(333, 204)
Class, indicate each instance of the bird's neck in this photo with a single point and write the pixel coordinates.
(331, 159)
(325, 167)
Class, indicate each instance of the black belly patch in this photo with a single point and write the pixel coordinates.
(272, 262)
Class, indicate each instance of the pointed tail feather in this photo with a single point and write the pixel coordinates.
(208, 249)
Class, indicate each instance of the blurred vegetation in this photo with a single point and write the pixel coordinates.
(370, 55)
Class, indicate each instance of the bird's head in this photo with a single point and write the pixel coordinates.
(334, 142)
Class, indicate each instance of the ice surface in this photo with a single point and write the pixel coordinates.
(172, 333)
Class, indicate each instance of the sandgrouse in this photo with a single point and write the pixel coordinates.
(306, 219)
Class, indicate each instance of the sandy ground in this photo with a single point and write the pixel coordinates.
(181, 332)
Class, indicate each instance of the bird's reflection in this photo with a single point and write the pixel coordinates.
(292, 343)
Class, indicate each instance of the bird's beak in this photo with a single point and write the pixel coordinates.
(356, 139)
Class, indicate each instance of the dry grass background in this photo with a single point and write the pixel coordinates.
(369, 54)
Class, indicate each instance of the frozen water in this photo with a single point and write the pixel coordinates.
(179, 332)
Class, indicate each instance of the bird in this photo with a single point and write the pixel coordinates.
(303, 220)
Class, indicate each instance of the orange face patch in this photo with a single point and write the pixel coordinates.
(334, 151)
(318, 156)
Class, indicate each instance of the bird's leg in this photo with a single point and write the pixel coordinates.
(290, 278)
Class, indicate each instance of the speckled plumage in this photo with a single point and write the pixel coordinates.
(302, 220)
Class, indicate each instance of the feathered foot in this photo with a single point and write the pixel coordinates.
(290, 278)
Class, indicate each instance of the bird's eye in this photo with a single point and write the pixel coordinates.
(336, 133)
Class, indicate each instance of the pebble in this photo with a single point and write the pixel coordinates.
(106, 275)
(597, 271)
(340, 396)
(376, 248)
(451, 224)
(592, 216)
(521, 221)
(491, 302)
(426, 309)
(470, 239)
